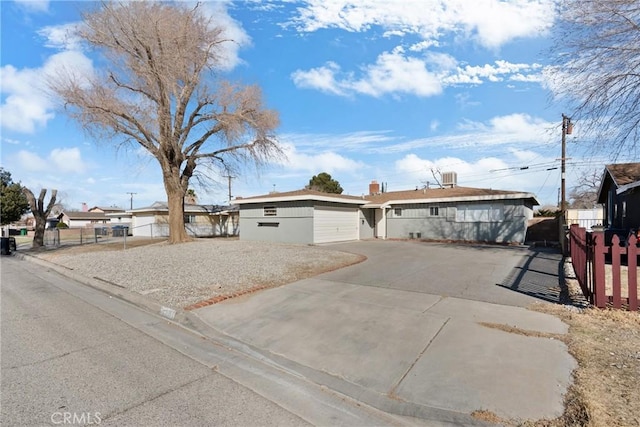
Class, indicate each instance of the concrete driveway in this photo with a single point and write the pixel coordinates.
(412, 331)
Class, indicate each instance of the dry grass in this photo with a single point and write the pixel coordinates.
(606, 389)
(606, 386)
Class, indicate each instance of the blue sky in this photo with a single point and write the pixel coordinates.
(384, 90)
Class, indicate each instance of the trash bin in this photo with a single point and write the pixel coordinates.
(23, 232)
(5, 247)
(119, 231)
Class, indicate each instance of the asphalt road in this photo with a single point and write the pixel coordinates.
(64, 361)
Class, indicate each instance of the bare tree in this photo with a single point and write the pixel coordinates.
(40, 213)
(585, 194)
(597, 50)
(158, 90)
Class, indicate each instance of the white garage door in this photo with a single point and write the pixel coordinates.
(334, 224)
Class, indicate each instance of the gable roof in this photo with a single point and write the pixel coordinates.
(624, 173)
(433, 195)
(188, 208)
(451, 194)
(79, 215)
(623, 176)
(106, 209)
(304, 194)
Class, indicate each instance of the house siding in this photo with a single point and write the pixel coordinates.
(294, 222)
(415, 220)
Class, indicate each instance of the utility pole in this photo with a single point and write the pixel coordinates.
(131, 208)
(567, 128)
(229, 177)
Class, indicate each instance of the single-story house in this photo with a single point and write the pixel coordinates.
(105, 209)
(450, 213)
(200, 220)
(75, 219)
(620, 194)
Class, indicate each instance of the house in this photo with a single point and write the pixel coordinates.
(450, 213)
(200, 220)
(620, 194)
(106, 209)
(76, 219)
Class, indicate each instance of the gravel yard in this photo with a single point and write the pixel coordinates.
(184, 274)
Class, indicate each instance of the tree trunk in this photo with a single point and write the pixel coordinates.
(175, 203)
(38, 235)
(40, 213)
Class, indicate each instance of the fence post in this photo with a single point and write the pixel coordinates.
(616, 252)
(599, 249)
(632, 276)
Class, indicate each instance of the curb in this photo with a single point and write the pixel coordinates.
(112, 289)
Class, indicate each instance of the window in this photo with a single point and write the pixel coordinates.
(269, 211)
(434, 211)
(479, 213)
(397, 212)
(189, 219)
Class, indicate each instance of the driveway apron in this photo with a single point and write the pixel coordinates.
(410, 331)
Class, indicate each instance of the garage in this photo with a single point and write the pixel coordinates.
(334, 224)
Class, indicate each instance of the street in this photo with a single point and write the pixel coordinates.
(67, 362)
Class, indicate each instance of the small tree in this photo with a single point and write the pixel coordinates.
(40, 213)
(585, 194)
(157, 91)
(323, 182)
(13, 203)
(597, 58)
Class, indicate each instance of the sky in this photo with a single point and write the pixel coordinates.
(393, 91)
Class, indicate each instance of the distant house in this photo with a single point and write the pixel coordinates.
(76, 219)
(450, 213)
(106, 210)
(200, 220)
(620, 194)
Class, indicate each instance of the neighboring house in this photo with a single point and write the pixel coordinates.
(620, 193)
(83, 219)
(106, 210)
(585, 218)
(452, 213)
(200, 220)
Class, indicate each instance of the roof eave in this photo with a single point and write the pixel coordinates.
(300, 197)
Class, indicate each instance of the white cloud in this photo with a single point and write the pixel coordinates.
(399, 73)
(63, 160)
(327, 161)
(392, 73)
(27, 105)
(233, 31)
(506, 172)
(31, 161)
(61, 36)
(34, 5)
(516, 129)
(67, 160)
(321, 78)
(491, 23)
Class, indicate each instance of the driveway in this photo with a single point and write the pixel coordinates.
(412, 331)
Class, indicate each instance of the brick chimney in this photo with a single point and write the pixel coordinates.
(85, 207)
(374, 188)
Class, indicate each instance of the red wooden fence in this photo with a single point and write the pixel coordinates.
(589, 256)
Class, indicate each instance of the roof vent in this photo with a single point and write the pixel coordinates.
(449, 179)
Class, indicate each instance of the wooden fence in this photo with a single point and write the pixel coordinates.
(607, 273)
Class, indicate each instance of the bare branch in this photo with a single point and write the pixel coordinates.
(154, 90)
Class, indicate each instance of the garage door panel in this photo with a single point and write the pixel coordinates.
(334, 224)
